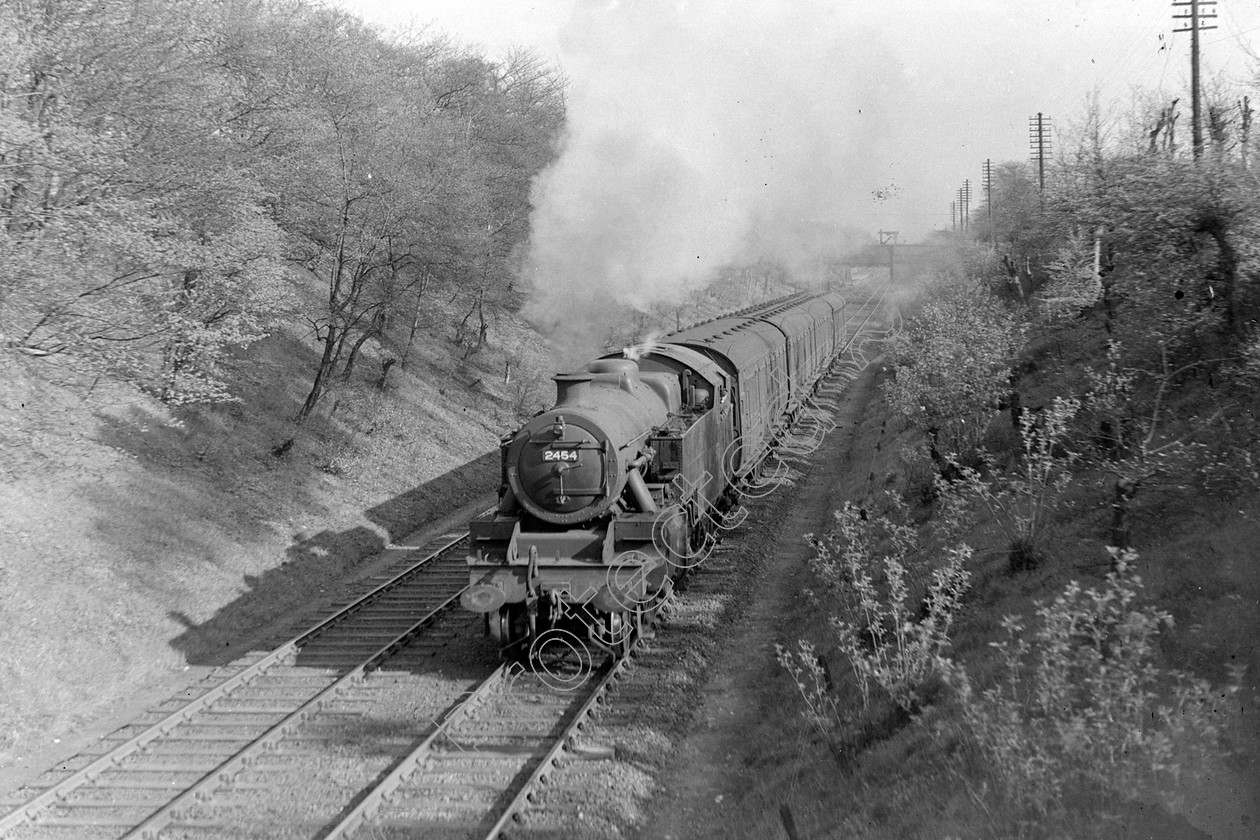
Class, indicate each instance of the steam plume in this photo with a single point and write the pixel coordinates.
(648, 345)
(702, 133)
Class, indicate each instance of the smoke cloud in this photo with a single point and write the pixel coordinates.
(701, 134)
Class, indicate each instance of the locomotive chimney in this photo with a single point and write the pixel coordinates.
(572, 388)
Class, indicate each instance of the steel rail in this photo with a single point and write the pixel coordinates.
(563, 742)
(281, 654)
(396, 778)
(170, 812)
(875, 299)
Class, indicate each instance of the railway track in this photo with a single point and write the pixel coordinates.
(372, 724)
(384, 720)
(482, 767)
(150, 771)
(858, 326)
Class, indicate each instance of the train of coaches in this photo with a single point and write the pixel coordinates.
(609, 495)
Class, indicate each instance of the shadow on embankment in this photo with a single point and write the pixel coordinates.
(316, 567)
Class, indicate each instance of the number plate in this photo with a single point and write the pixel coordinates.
(566, 455)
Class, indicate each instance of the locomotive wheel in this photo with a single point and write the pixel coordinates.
(615, 632)
(508, 625)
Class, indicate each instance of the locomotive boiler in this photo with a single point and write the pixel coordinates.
(610, 494)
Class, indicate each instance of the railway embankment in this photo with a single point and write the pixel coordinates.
(760, 756)
(142, 546)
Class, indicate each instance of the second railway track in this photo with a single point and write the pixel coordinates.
(148, 774)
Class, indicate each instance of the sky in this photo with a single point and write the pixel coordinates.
(703, 132)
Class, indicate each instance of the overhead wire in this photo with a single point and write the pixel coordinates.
(1128, 45)
(1141, 54)
(1145, 50)
(1244, 51)
(1138, 59)
(1072, 99)
(1163, 72)
(1233, 37)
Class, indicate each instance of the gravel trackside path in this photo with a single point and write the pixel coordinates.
(711, 786)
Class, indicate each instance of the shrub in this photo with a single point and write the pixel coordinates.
(952, 365)
(1077, 718)
(809, 675)
(1139, 449)
(894, 640)
(1073, 282)
(1021, 501)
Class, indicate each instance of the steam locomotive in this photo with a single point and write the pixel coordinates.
(608, 496)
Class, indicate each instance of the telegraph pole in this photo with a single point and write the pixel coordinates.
(967, 201)
(1196, 18)
(1039, 145)
(953, 216)
(988, 198)
(963, 200)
